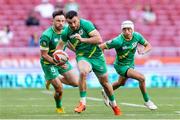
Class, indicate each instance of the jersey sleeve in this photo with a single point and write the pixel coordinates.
(142, 40)
(44, 42)
(88, 26)
(114, 43)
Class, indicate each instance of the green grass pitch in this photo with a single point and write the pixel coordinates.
(39, 104)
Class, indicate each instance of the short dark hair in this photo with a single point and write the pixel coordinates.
(71, 14)
(57, 12)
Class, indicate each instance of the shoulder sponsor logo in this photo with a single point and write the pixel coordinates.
(44, 44)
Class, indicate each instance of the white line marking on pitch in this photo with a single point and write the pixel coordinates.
(47, 92)
(100, 100)
(132, 105)
(177, 112)
(43, 115)
(126, 104)
(94, 99)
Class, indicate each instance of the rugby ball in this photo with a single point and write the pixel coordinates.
(60, 56)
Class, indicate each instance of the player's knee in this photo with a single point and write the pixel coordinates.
(58, 93)
(59, 89)
(75, 84)
(83, 73)
(142, 78)
(122, 83)
(104, 84)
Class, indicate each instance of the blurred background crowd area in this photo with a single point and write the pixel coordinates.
(23, 21)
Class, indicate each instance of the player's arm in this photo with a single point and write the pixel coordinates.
(44, 49)
(146, 49)
(44, 54)
(114, 43)
(103, 46)
(95, 37)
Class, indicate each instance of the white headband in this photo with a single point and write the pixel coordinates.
(127, 24)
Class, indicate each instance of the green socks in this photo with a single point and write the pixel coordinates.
(145, 96)
(82, 93)
(58, 103)
(111, 98)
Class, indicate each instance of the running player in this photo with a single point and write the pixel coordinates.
(54, 73)
(125, 45)
(85, 38)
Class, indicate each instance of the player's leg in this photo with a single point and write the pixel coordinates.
(52, 76)
(103, 79)
(84, 68)
(69, 74)
(58, 94)
(100, 69)
(48, 82)
(121, 82)
(70, 78)
(140, 77)
(122, 71)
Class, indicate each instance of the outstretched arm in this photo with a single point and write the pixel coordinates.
(147, 48)
(103, 46)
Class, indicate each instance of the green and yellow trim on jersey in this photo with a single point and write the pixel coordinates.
(106, 46)
(46, 62)
(93, 51)
(44, 48)
(52, 50)
(125, 54)
(146, 42)
(80, 54)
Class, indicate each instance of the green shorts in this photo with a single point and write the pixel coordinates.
(98, 64)
(122, 70)
(52, 71)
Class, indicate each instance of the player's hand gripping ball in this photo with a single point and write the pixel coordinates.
(60, 57)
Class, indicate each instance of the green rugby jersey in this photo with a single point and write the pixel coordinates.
(125, 49)
(82, 49)
(48, 41)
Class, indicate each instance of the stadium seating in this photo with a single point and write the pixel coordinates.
(107, 16)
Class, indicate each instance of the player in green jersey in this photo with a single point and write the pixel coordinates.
(54, 73)
(85, 38)
(125, 45)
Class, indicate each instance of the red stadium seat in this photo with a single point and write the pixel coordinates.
(107, 16)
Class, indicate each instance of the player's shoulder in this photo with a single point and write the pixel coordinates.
(84, 21)
(136, 34)
(48, 32)
(120, 37)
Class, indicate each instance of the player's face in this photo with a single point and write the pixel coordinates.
(127, 32)
(74, 23)
(59, 22)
